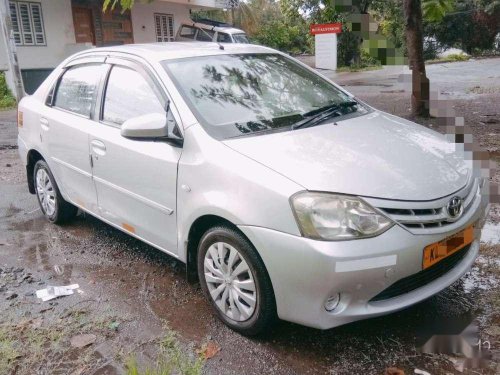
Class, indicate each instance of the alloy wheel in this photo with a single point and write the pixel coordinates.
(45, 191)
(230, 281)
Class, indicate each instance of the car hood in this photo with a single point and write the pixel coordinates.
(375, 155)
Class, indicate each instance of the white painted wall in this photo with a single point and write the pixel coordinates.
(4, 63)
(143, 23)
(59, 33)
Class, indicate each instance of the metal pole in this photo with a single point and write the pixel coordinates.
(10, 48)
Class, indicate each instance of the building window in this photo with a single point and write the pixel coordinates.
(164, 24)
(27, 23)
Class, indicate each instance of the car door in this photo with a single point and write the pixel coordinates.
(65, 124)
(135, 180)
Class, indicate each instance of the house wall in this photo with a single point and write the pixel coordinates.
(111, 28)
(59, 33)
(36, 62)
(143, 18)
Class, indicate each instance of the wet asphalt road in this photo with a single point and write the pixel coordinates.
(146, 288)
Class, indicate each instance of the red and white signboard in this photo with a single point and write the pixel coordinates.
(325, 41)
(325, 28)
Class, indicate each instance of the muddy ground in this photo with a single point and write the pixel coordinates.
(134, 303)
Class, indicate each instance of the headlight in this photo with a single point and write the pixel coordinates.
(326, 216)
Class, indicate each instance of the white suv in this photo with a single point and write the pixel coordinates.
(210, 31)
(282, 193)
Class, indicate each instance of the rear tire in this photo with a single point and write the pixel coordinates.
(51, 202)
(235, 281)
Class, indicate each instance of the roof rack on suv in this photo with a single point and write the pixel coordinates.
(210, 22)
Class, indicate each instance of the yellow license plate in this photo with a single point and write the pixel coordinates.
(437, 251)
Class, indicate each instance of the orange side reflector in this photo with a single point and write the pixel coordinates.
(128, 227)
(19, 119)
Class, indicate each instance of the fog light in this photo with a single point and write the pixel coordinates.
(332, 302)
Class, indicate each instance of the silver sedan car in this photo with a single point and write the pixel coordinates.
(285, 196)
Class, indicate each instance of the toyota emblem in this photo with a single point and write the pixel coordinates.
(454, 207)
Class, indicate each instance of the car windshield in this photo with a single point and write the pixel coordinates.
(237, 94)
(240, 38)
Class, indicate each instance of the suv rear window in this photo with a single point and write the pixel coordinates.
(188, 32)
(77, 89)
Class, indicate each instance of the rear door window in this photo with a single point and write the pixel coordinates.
(224, 38)
(205, 35)
(77, 89)
(128, 95)
(188, 32)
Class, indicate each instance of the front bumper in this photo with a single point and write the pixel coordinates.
(305, 272)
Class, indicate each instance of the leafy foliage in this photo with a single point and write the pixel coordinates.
(7, 100)
(472, 26)
(281, 35)
(124, 4)
(435, 10)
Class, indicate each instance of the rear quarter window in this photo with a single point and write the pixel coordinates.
(188, 32)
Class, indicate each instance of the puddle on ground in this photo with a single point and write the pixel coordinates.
(491, 233)
(41, 256)
(37, 224)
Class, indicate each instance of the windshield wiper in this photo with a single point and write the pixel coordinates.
(319, 115)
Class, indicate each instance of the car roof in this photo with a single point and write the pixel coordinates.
(176, 50)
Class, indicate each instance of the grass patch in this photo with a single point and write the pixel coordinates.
(355, 68)
(8, 351)
(454, 57)
(171, 359)
(7, 100)
(33, 346)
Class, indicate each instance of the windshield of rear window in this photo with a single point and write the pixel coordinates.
(234, 95)
(240, 38)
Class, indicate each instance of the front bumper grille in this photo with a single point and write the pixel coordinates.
(431, 215)
(423, 277)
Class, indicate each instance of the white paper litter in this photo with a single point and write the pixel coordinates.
(52, 292)
(421, 372)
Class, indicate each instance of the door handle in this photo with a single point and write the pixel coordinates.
(98, 147)
(44, 124)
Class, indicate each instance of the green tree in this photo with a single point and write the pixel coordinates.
(472, 26)
(435, 10)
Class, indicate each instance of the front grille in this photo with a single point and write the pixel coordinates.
(418, 220)
(423, 277)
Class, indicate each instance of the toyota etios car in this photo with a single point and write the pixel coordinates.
(287, 196)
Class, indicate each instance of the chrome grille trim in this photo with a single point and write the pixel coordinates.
(431, 216)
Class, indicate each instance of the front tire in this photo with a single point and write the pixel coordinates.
(235, 281)
(52, 204)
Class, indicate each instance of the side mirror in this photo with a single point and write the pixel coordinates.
(153, 125)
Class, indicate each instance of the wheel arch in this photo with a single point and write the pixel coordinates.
(196, 231)
(32, 157)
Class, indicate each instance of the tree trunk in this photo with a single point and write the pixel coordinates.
(415, 46)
